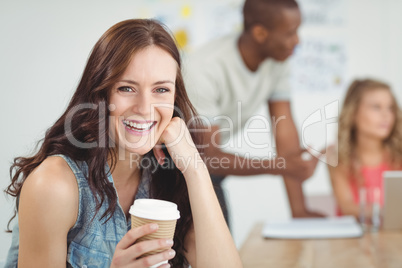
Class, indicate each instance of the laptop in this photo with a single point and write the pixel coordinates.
(392, 210)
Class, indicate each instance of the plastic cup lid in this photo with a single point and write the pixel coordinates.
(154, 209)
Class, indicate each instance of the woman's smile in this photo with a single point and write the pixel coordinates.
(139, 128)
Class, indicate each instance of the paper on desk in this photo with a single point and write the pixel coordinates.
(310, 228)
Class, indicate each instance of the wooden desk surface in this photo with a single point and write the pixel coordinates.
(377, 250)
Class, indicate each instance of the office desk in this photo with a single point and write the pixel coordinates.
(377, 250)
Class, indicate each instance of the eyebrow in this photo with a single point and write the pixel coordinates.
(156, 83)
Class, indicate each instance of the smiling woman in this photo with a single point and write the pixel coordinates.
(144, 100)
(73, 196)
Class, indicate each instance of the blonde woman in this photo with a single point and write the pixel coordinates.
(369, 142)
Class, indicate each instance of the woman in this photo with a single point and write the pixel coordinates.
(73, 196)
(369, 142)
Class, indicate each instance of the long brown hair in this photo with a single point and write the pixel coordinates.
(90, 125)
(347, 129)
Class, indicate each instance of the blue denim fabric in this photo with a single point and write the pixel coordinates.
(90, 244)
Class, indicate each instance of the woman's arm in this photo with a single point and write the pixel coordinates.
(341, 188)
(48, 208)
(209, 242)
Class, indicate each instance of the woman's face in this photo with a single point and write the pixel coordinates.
(142, 100)
(375, 116)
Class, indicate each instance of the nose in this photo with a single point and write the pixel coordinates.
(142, 105)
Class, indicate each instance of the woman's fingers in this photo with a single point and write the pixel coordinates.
(129, 252)
(140, 248)
(135, 233)
(157, 258)
(148, 261)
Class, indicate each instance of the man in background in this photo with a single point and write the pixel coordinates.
(232, 77)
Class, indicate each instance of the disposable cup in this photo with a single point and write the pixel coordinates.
(164, 213)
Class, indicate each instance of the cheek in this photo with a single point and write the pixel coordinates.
(369, 120)
(391, 118)
(282, 44)
(165, 112)
(114, 116)
(165, 117)
(363, 120)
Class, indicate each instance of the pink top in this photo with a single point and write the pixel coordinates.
(372, 177)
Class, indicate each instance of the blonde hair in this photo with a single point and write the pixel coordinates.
(347, 128)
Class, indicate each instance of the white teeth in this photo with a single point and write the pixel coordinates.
(138, 126)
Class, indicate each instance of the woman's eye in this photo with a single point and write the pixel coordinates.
(161, 90)
(125, 89)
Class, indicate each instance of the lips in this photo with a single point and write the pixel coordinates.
(139, 126)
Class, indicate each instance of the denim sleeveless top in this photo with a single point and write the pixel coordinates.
(90, 244)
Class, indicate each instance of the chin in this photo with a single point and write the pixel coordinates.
(282, 58)
(382, 135)
(144, 149)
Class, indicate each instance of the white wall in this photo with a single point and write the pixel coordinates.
(44, 46)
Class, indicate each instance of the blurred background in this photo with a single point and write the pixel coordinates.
(45, 44)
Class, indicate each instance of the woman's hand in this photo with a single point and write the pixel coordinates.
(180, 146)
(127, 253)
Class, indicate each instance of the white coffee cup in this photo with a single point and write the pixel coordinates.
(164, 213)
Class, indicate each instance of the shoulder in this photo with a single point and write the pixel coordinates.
(212, 54)
(215, 47)
(50, 187)
(53, 171)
